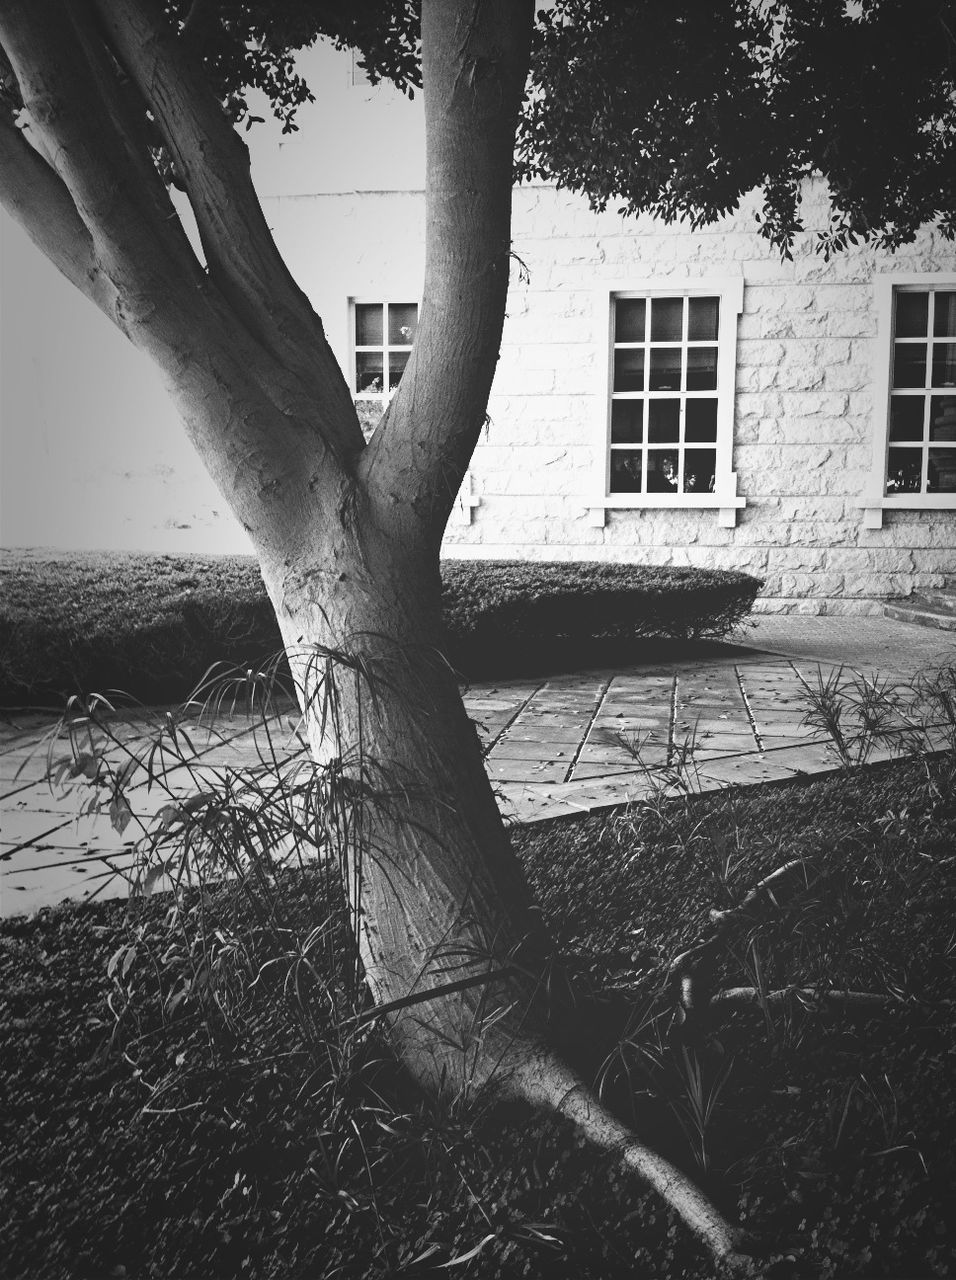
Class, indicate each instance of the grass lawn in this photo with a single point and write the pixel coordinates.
(145, 1138)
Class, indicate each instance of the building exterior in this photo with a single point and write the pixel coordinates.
(663, 396)
(683, 398)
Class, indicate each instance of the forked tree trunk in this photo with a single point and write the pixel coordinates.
(440, 897)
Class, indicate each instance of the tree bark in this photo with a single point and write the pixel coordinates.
(435, 887)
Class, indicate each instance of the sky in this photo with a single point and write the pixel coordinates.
(92, 455)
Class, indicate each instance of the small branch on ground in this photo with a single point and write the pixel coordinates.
(809, 997)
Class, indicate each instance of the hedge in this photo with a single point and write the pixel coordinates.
(152, 625)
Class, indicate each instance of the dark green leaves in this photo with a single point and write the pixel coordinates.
(680, 109)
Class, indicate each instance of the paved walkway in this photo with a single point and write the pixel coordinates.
(556, 746)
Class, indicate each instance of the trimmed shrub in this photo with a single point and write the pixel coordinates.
(512, 614)
(152, 625)
(148, 625)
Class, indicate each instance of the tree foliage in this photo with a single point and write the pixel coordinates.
(679, 108)
(247, 45)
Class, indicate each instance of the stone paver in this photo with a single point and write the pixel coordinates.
(556, 746)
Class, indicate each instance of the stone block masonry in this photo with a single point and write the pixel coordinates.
(803, 411)
(804, 415)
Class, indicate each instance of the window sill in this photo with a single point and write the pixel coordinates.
(873, 508)
(726, 505)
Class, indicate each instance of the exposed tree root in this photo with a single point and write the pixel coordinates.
(694, 968)
(549, 1084)
(809, 997)
(773, 891)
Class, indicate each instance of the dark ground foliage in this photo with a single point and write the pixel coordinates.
(153, 625)
(144, 1140)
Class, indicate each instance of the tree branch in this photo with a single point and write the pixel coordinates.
(248, 416)
(36, 198)
(241, 255)
(137, 240)
(475, 59)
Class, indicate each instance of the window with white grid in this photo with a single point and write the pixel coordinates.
(382, 337)
(921, 451)
(914, 396)
(669, 397)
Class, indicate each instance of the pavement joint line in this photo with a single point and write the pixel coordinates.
(33, 841)
(224, 739)
(602, 698)
(198, 759)
(19, 743)
(750, 716)
(672, 721)
(508, 723)
(90, 856)
(23, 786)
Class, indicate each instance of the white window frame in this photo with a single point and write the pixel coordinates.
(874, 499)
(381, 397)
(467, 500)
(725, 499)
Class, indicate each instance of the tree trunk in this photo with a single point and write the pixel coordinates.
(439, 895)
(440, 898)
(441, 901)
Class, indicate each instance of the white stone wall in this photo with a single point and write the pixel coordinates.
(803, 411)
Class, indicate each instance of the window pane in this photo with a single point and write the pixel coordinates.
(944, 311)
(941, 471)
(906, 417)
(944, 364)
(626, 470)
(663, 421)
(629, 319)
(942, 418)
(627, 421)
(368, 324)
(628, 370)
(909, 365)
(702, 369)
(402, 323)
(700, 468)
(665, 369)
(667, 319)
(700, 421)
(904, 472)
(702, 319)
(661, 471)
(911, 314)
(368, 371)
(397, 360)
